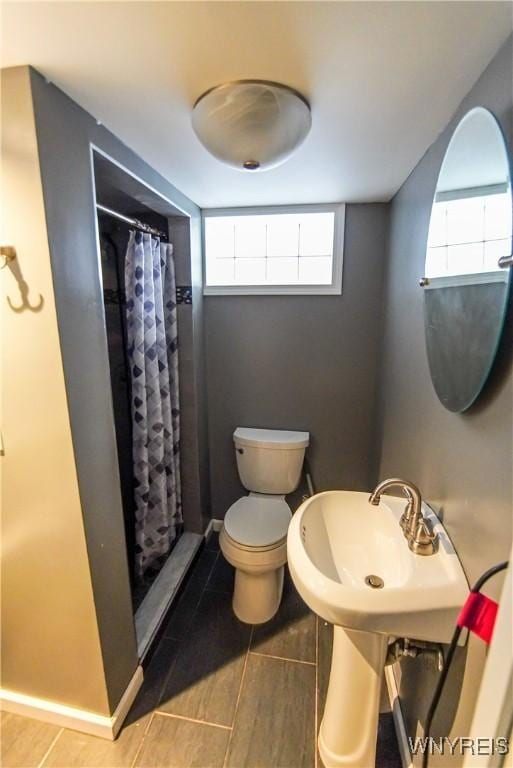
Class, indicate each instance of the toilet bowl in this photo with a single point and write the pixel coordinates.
(254, 540)
(254, 534)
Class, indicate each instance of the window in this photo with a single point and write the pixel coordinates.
(469, 231)
(274, 250)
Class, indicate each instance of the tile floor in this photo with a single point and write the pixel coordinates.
(216, 692)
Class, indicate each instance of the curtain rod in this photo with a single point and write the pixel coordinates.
(134, 222)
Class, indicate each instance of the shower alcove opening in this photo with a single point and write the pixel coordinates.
(122, 199)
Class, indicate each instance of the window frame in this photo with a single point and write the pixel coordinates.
(333, 289)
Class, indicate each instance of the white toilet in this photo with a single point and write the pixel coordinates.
(254, 534)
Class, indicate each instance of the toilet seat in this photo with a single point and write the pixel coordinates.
(258, 522)
(248, 548)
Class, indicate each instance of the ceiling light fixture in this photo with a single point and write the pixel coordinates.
(252, 125)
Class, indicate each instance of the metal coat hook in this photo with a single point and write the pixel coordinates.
(8, 253)
(25, 302)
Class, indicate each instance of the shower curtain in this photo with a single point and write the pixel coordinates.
(152, 338)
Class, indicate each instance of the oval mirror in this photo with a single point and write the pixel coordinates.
(470, 230)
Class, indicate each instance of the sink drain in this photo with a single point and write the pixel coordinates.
(375, 582)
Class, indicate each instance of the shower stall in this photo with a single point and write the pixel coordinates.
(145, 266)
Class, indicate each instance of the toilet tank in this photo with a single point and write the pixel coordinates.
(269, 460)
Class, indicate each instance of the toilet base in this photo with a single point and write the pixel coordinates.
(257, 596)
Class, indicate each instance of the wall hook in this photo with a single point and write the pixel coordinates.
(9, 255)
(25, 302)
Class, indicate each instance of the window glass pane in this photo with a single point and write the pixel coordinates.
(497, 217)
(316, 233)
(315, 270)
(250, 233)
(438, 225)
(282, 235)
(436, 262)
(219, 237)
(220, 272)
(465, 220)
(282, 271)
(250, 271)
(465, 259)
(493, 250)
(270, 249)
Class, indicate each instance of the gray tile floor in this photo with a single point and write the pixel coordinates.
(217, 693)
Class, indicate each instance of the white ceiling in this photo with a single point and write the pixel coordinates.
(383, 79)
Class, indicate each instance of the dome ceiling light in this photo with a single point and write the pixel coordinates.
(252, 125)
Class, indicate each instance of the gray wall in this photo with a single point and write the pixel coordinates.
(462, 463)
(65, 132)
(302, 362)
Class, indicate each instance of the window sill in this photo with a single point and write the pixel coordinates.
(274, 290)
(473, 278)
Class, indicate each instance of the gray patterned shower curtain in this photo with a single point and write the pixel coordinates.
(152, 338)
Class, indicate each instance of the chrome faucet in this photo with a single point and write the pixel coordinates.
(420, 539)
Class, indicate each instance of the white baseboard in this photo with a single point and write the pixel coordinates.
(107, 727)
(400, 728)
(214, 525)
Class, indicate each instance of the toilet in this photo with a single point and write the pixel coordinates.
(254, 534)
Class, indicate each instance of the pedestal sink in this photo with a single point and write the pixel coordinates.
(351, 564)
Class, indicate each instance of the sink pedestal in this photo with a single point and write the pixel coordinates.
(348, 732)
(336, 542)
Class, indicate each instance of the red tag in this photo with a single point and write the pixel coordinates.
(478, 614)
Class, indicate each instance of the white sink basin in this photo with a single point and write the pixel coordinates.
(335, 540)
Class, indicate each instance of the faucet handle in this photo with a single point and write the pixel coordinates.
(405, 519)
(423, 540)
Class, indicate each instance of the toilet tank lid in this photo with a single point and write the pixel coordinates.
(271, 438)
